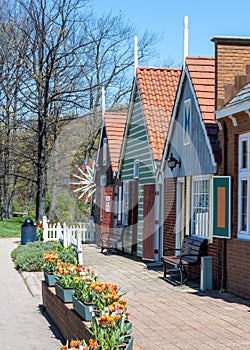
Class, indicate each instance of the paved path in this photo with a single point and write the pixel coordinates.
(164, 317)
(173, 317)
(22, 324)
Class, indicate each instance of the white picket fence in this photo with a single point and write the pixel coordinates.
(75, 235)
(53, 231)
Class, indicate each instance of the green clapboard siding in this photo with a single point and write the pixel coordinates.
(137, 148)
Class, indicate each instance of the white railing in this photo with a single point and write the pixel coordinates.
(74, 235)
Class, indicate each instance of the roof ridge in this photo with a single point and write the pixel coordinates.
(106, 112)
(201, 57)
(157, 88)
(158, 68)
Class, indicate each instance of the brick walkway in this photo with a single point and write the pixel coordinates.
(173, 317)
(163, 316)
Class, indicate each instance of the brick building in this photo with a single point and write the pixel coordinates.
(232, 114)
(208, 148)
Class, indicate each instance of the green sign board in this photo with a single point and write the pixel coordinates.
(222, 206)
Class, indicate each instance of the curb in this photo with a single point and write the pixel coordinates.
(32, 283)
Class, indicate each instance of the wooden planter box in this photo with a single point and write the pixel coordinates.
(68, 322)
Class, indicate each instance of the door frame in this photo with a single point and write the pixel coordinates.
(180, 212)
(148, 235)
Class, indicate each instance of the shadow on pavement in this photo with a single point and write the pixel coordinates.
(52, 326)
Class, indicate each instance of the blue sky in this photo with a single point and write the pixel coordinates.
(206, 20)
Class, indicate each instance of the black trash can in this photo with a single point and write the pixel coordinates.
(28, 231)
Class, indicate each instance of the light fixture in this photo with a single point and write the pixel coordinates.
(172, 162)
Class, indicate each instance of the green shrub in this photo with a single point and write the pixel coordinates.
(67, 255)
(29, 257)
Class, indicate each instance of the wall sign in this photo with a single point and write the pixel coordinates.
(222, 206)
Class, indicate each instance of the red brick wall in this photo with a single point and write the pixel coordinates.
(169, 213)
(237, 251)
(232, 55)
(238, 267)
(215, 249)
(65, 318)
(231, 59)
(170, 222)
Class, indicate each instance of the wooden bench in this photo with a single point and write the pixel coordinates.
(19, 213)
(109, 240)
(189, 255)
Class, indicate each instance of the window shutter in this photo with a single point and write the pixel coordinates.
(222, 206)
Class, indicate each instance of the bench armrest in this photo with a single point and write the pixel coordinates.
(170, 250)
(105, 235)
(188, 256)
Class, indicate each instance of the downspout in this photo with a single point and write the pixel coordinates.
(224, 241)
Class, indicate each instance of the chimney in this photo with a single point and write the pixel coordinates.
(232, 54)
(135, 54)
(185, 40)
(103, 102)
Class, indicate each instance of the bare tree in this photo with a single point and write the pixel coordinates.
(65, 58)
(51, 71)
(12, 47)
(109, 60)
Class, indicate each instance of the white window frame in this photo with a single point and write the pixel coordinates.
(200, 225)
(243, 175)
(119, 208)
(105, 151)
(136, 169)
(103, 183)
(184, 119)
(125, 203)
(103, 180)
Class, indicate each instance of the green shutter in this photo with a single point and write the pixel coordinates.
(222, 206)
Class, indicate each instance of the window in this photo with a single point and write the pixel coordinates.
(125, 208)
(200, 218)
(244, 155)
(244, 187)
(243, 226)
(187, 122)
(104, 152)
(136, 169)
(103, 180)
(103, 183)
(119, 209)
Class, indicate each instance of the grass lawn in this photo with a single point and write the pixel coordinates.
(12, 227)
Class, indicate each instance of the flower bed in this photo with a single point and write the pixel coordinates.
(109, 328)
(105, 330)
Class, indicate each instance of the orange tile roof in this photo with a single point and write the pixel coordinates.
(115, 125)
(157, 87)
(202, 73)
